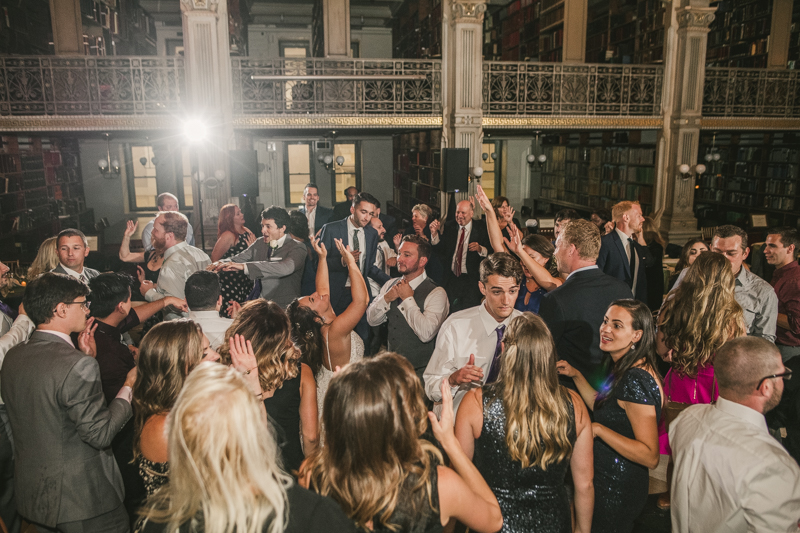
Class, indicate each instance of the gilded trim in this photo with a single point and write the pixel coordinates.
(749, 123)
(573, 121)
(87, 123)
(333, 121)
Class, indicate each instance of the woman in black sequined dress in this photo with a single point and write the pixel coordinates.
(626, 413)
(527, 474)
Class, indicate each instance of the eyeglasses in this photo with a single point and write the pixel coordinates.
(85, 304)
(786, 375)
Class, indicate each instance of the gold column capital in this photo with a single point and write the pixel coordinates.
(199, 5)
(695, 18)
(467, 12)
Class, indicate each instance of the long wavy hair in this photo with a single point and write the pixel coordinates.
(645, 348)
(374, 416)
(223, 471)
(225, 223)
(266, 326)
(701, 314)
(307, 334)
(167, 354)
(46, 260)
(536, 406)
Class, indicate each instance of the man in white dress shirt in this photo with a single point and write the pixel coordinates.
(469, 343)
(412, 304)
(730, 473)
(204, 298)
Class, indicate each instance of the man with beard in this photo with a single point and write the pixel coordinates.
(623, 251)
(730, 473)
(412, 304)
(181, 260)
(385, 259)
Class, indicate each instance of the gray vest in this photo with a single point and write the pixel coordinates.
(402, 338)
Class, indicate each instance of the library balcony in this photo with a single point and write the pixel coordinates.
(751, 92)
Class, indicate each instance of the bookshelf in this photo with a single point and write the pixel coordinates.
(26, 28)
(589, 170)
(417, 170)
(757, 173)
(793, 58)
(739, 35)
(41, 192)
(525, 30)
(626, 31)
(417, 30)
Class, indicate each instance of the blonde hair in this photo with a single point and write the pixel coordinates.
(585, 236)
(651, 232)
(701, 314)
(46, 260)
(222, 459)
(424, 210)
(621, 208)
(374, 416)
(538, 417)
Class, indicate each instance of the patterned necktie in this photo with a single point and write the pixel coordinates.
(356, 246)
(633, 259)
(459, 252)
(5, 309)
(494, 370)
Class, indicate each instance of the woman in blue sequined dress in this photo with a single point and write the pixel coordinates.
(626, 413)
(524, 431)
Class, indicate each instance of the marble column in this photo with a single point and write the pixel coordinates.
(682, 106)
(208, 123)
(336, 28)
(65, 17)
(575, 14)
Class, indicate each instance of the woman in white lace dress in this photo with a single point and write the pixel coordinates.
(328, 341)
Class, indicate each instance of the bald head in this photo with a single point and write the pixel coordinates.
(742, 362)
(464, 212)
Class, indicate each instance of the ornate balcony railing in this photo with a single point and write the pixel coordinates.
(119, 85)
(354, 86)
(530, 89)
(751, 92)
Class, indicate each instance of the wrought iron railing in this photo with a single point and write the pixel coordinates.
(326, 86)
(118, 85)
(527, 88)
(751, 92)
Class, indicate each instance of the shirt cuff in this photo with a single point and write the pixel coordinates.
(406, 302)
(125, 393)
(435, 239)
(246, 270)
(483, 252)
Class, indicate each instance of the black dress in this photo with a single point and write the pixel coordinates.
(283, 409)
(655, 277)
(413, 512)
(237, 285)
(620, 485)
(149, 275)
(531, 499)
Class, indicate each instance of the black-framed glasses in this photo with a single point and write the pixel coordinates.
(85, 304)
(786, 375)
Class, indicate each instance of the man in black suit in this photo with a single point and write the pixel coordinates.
(316, 214)
(623, 252)
(575, 310)
(73, 248)
(342, 209)
(357, 232)
(462, 246)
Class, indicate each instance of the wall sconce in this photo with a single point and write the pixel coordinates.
(541, 159)
(327, 160)
(712, 157)
(477, 172)
(486, 156)
(109, 168)
(686, 170)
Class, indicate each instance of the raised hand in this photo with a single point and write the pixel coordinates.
(233, 308)
(398, 238)
(347, 256)
(249, 237)
(466, 374)
(130, 228)
(483, 200)
(443, 428)
(244, 360)
(435, 226)
(86, 342)
(319, 247)
(515, 244)
(509, 215)
(565, 369)
(140, 274)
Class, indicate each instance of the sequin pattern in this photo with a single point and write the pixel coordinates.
(153, 474)
(530, 499)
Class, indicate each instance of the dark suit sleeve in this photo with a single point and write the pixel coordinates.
(647, 256)
(82, 397)
(551, 313)
(334, 258)
(602, 258)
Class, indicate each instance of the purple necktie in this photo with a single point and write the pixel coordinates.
(7, 311)
(495, 368)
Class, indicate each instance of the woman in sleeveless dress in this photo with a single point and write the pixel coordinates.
(626, 412)
(147, 268)
(697, 318)
(232, 238)
(288, 389)
(524, 431)
(376, 465)
(328, 341)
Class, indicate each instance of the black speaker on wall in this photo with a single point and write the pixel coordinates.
(455, 169)
(244, 172)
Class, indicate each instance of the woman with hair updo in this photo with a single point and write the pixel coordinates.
(288, 389)
(696, 319)
(525, 430)
(626, 412)
(224, 473)
(325, 339)
(377, 467)
(691, 251)
(232, 238)
(167, 354)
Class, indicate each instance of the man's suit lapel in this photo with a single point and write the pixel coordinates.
(623, 256)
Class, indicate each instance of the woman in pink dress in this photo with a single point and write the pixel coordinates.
(698, 317)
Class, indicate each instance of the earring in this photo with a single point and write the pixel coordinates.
(633, 346)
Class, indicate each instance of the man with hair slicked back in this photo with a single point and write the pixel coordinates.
(730, 473)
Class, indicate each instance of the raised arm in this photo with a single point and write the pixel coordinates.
(344, 323)
(322, 280)
(540, 274)
(492, 225)
(308, 410)
(587, 392)
(125, 248)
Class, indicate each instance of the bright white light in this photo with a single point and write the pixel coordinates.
(339, 160)
(709, 157)
(542, 158)
(531, 158)
(700, 169)
(477, 172)
(115, 165)
(327, 160)
(716, 157)
(103, 164)
(683, 169)
(195, 130)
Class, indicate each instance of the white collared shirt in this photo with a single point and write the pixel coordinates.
(627, 245)
(59, 334)
(730, 474)
(471, 331)
(582, 269)
(362, 244)
(80, 276)
(214, 326)
(382, 256)
(312, 217)
(483, 252)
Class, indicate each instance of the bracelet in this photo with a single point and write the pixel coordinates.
(247, 373)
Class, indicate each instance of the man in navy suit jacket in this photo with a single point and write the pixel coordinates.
(354, 231)
(574, 311)
(316, 214)
(617, 246)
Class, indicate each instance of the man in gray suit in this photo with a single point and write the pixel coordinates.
(276, 261)
(73, 247)
(65, 475)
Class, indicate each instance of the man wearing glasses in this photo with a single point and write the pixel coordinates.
(730, 473)
(66, 479)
